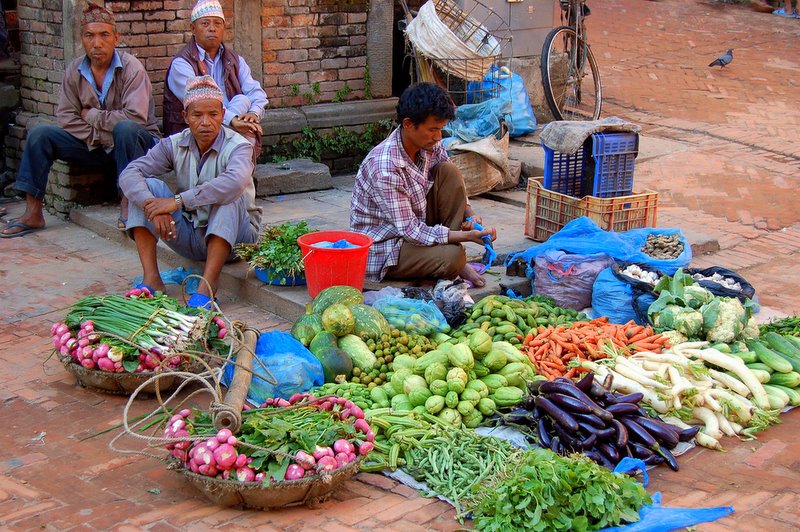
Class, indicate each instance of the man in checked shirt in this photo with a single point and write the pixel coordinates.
(411, 200)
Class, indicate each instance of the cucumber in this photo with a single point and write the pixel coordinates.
(789, 380)
(748, 357)
(794, 395)
(778, 399)
(795, 362)
(771, 359)
(793, 340)
(721, 347)
(759, 366)
(780, 345)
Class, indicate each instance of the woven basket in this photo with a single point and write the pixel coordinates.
(119, 383)
(310, 491)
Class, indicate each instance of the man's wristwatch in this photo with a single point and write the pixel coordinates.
(178, 202)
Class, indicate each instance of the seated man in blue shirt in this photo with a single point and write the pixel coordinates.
(214, 208)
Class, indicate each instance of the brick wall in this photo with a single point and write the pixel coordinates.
(42, 54)
(312, 49)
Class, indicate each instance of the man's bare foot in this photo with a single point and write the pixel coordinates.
(155, 284)
(469, 274)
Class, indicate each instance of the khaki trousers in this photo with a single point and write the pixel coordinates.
(446, 202)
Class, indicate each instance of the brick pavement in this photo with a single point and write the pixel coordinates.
(740, 130)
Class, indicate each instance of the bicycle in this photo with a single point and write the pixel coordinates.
(567, 62)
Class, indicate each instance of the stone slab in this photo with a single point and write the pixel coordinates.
(297, 175)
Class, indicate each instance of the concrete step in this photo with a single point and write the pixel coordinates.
(290, 177)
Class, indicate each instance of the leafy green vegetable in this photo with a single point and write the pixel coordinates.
(544, 491)
(276, 251)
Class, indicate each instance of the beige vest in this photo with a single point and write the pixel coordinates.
(188, 177)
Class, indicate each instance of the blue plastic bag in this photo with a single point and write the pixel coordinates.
(511, 87)
(657, 518)
(412, 315)
(568, 278)
(478, 120)
(293, 368)
(176, 276)
(583, 236)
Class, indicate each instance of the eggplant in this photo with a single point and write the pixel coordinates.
(604, 434)
(567, 439)
(596, 390)
(585, 384)
(599, 458)
(590, 419)
(518, 414)
(640, 451)
(653, 459)
(544, 432)
(622, 433)
(622, 409)
(609, 451)
(626, 451)
(638, 432)
(528, 402)
(634, 398)
(608, 381)
(555, 445)
(609, 398)
(533, 386)
(661, 431)
(588, 441)
(568, 402)
(558, 415)
(572, 391)
(669, 458)
(688, 434)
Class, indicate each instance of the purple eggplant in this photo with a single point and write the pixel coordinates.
(622, 433)
(572, 391)
(637, 432)
(544, 432)
(570, 403)
(557, 414)
(622, 409)
(634, 398)
(590, 419)
(663, 432)
(688, 434)
(585, 384)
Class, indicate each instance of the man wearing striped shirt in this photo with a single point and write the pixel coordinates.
(412, 201)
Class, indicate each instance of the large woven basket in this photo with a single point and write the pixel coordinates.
(310, 491)
(120, 383)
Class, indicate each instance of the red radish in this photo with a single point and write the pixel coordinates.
(202, 455)
(348, 404)
(233, 440)
(260, 477)
(241, 461)
(54, 327)
(365, 447)
(194, 467)
(208, 470)
(223, 332)
(115, 354)
(361, 425)
(326, 405)
(351, 457)
(370, 436)
(183, 444)
(296, 398)
(320, 452)
(343, 446)
(245, 474)
(345, 414)
(185, 413)
(226, 474)
(69, 343)
(225, 456)
(356, 412)
(294, 472)
(66, 336)
(281, 403)
(180, 454)
(105, 364)
(326, 463)
(212, 444)
(246, 407)
(223, 435)
(83, 342)
(87, 363)
(311, 398)
(103, 349)
(305, 460)
(341, 459)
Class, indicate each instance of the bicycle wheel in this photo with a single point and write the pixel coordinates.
(570, 76)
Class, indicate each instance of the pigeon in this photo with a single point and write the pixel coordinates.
(723, 60)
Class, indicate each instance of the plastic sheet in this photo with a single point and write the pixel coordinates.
(747, 291)
(657, 518)
(176, 276)
(478, 120)
(583, 236)
(620, 297)
(293, 367)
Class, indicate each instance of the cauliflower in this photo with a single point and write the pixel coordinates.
(751, 330)
(688, 322)
(675, 337)
(695, 296)
(728, 324)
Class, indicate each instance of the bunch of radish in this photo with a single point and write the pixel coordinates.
(215, 457)
(86, 349)
(142, 292)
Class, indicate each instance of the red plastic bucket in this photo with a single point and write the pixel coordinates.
(332, 267)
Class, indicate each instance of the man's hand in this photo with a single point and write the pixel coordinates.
(467, 225)
(472, 235)
(155, 206)
(247, 124)
(84, 112)
(165, 226)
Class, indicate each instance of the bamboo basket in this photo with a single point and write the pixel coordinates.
(121, 383)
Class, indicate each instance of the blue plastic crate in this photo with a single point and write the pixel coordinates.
(602, 168)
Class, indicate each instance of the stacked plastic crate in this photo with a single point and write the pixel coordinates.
(597, 182)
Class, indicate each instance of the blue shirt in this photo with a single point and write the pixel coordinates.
(85, 69)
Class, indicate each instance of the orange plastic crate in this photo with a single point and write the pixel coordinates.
(547, 211)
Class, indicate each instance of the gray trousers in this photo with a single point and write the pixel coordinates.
(230, 222)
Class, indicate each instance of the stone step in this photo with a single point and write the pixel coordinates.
(296, 175)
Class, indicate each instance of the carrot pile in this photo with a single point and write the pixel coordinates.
(551, 349)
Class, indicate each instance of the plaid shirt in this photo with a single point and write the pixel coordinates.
(389, 202)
